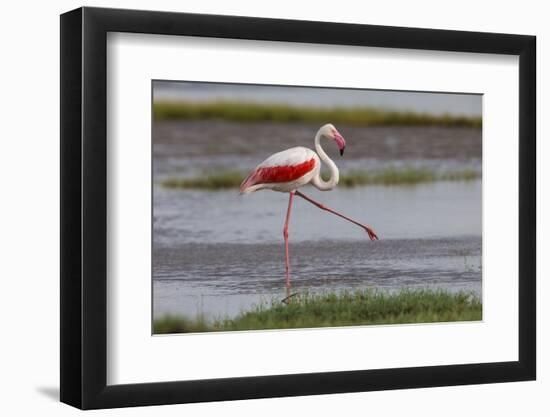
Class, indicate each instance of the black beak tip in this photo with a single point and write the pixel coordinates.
(342, 151)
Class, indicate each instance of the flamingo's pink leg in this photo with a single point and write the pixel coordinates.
(371, 233)
(285, 234)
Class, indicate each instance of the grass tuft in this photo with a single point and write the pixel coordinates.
(244, 112)
(214, 181)
(390, 176)
(346, 308)
(173, 324)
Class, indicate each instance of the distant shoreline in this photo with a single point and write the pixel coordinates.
(246, 112)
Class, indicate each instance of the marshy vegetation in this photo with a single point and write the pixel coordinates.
(243, 112)
(223, 179)
(217, 180)
(406, 176)
(345, 308)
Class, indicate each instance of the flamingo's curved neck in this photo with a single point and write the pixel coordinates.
(317, 181)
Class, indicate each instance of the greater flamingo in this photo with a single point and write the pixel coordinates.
(288, 170)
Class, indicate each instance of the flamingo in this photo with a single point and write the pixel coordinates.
(291, 169)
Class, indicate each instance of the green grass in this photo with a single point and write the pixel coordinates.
(348, 308)
(172, 324)
(465, 175)
(214, 181)
(243, 112)
(391, 177)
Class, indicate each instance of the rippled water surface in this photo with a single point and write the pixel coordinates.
(216, 253)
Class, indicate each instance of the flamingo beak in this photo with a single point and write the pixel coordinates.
(340, 141)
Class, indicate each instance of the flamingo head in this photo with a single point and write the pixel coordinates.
(330, 132)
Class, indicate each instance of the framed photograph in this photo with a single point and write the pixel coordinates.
(256, 208)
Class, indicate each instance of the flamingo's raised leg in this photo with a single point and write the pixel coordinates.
(371, 233)
(285, 234)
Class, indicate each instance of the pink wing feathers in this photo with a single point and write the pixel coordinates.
(285, 166)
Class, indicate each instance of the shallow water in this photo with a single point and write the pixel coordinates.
(221, 279)
(441, 209)
(217, 253)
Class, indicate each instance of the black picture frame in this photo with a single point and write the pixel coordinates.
(84, 207)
